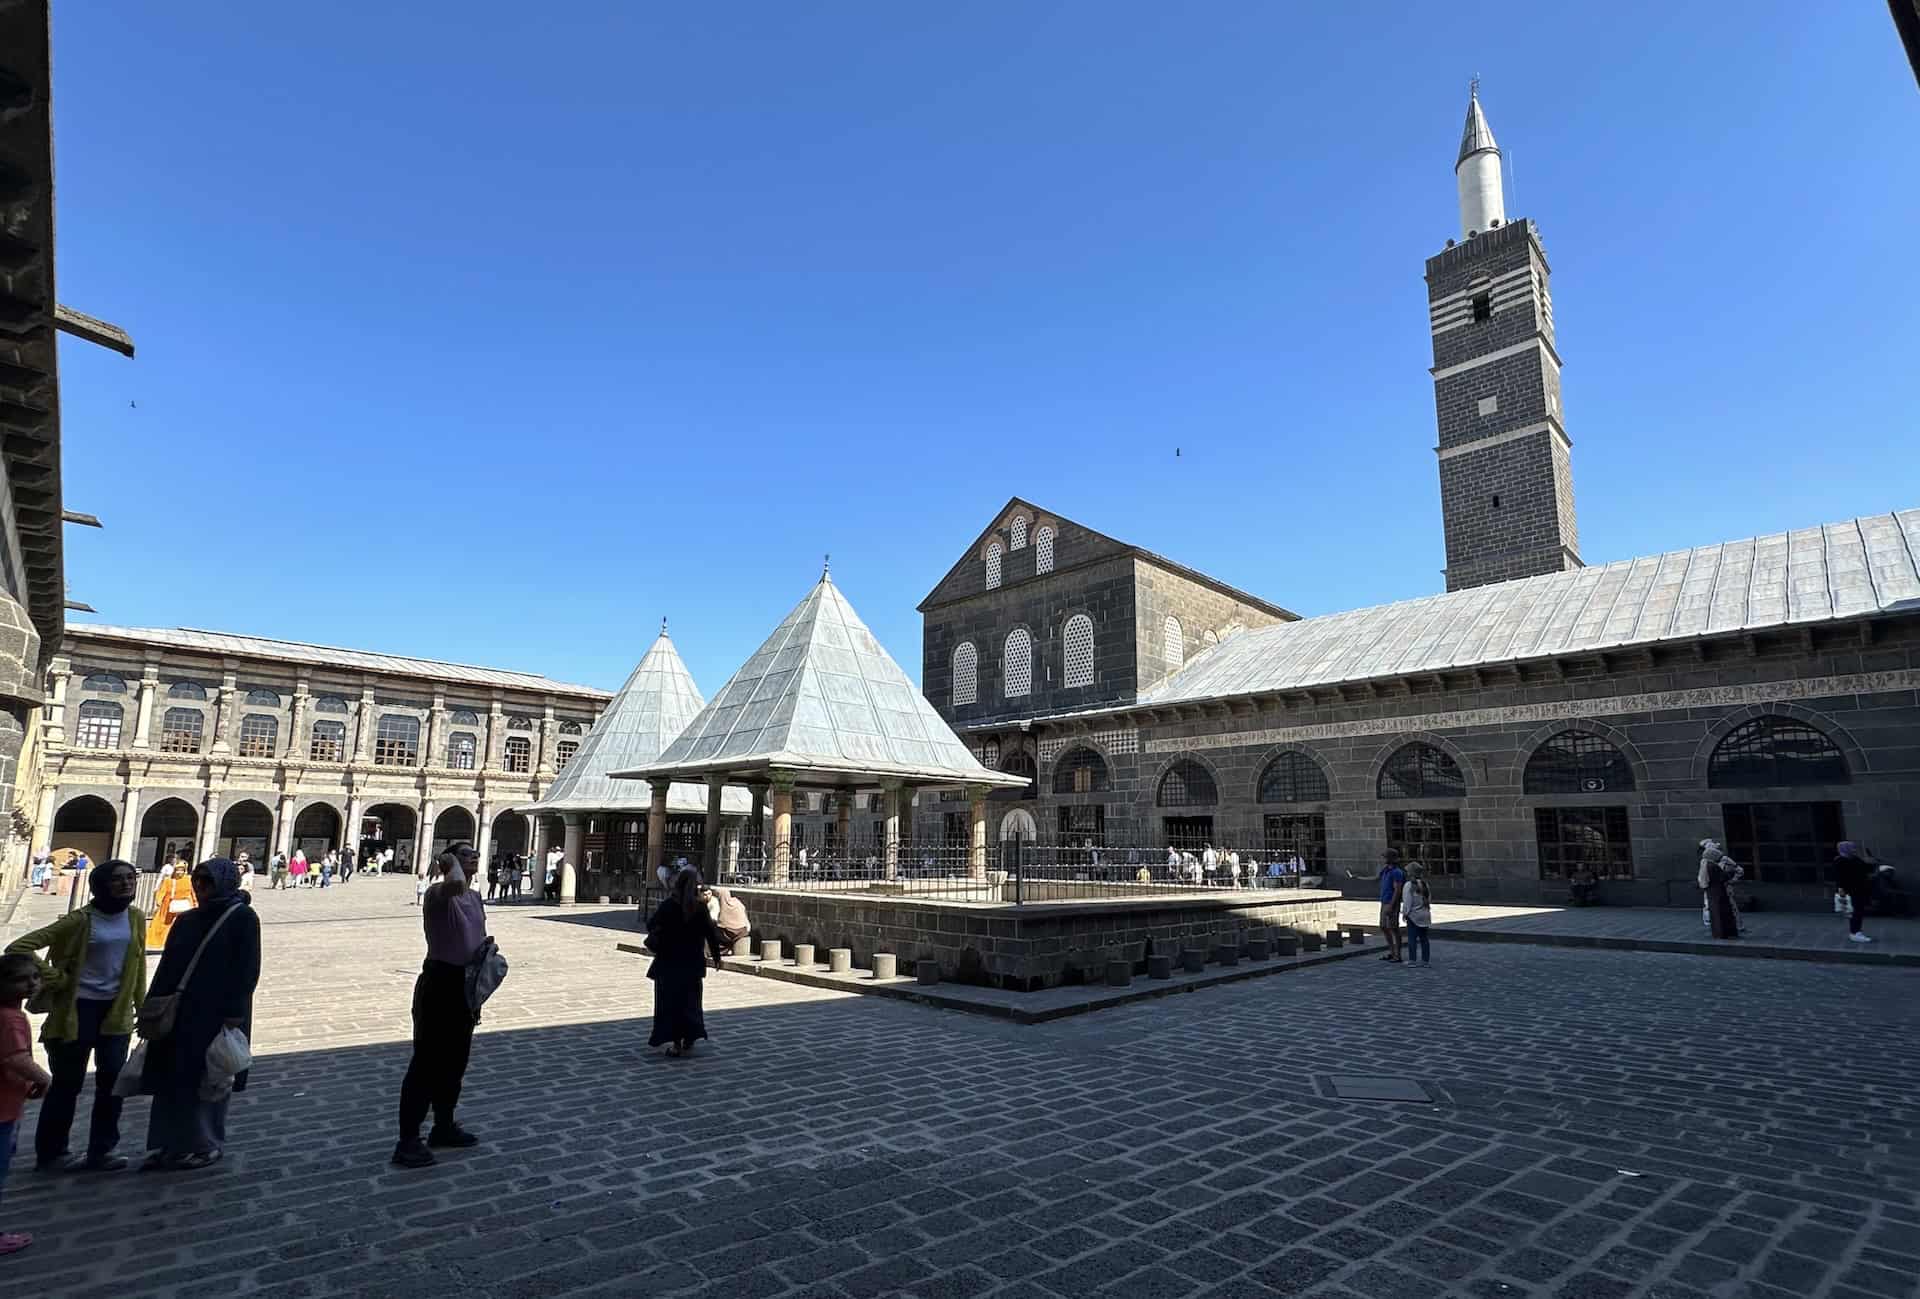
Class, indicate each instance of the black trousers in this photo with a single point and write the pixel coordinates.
(67, 1063)
(1861, 901)
(442, 1040)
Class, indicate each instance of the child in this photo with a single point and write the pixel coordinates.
(21, 1078)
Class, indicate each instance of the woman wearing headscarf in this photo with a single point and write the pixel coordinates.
(1717, 872)
(223, 933)
(94, 979)
(171, 900)
(679, 935)
(1853, 871)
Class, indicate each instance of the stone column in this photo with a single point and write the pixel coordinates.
(710, 859)
(436, 729)
(54, 727)
(210, 827)
(535, 849)
(297, 720)
(363, 725)
(894, 792)
(226, 706)
(129, 836)
(757, 819)
(423, 840)
(350, 832)
(283, 832)
(656, 830)
(43, 823)
(843, 820)
(543, 761)
(484, 842)
(782, 828)
(977, 832)
(569, 869)
(143, 718)
(496, 723)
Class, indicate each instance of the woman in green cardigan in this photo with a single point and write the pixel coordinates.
(95, 977)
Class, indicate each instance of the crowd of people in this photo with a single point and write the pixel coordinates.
(1225, 868)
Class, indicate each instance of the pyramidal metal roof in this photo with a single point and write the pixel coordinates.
(823, 700)
(1476, 136)
(654, 706)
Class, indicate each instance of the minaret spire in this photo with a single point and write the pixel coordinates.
(1483, 202)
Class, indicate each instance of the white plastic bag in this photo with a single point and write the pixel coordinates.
(1842, 904)
(227, 1057)
(128, 1083)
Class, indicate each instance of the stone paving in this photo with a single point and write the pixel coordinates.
(1602, 1124)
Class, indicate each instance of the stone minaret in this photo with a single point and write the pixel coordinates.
(1506, 478)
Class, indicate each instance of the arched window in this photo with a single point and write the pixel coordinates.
(1043, 549)
(1209, 638)
(187, 690)
(180, 730)
(396, 741)
(1187, 784)
(99, 726)
(966, 673)
(1176, 641)
(1293, 778)
(1421, 771)
(569, 728)
(331, 704)
(993, 565)
(461, 746)
(1020, 763)
(257, 734)
(519, 722)
(1077, 649)
(563, 753)
(519, 753)
(1019, 532)
(1774, 750)
(104, 683)
(464, 717)
(1576, 762)
(1016, 664)
(990, 753)
(329, 742)
(1080, 771)
(259, 698)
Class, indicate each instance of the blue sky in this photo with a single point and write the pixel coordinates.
(494, 332)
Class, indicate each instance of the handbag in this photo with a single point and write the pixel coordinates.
(157, 1013)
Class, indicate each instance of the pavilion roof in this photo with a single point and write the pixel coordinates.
(822, 700)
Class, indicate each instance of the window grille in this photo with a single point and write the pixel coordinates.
(1043, 549)
(519, 754)
(519, 722)
(1294, 778)
(465, 717)
(1020, 763)
(331, 704)
(257, 734)
(563, 753)
(966, 674)
(1209, 638)
(1078, 651)
(993, 565)
(1775, 750)
(1304, 833)
(1572, 837)
(99, 726)
(1019, 532)
(461, 746)
(1176, 641)
(1421, 771)
(1576, 762)
(396, 741)
(1187, 784)
(180, 730)
(1016, 666)
(1080, 771)
(569, 728)
(990, 754)
(104, 683)
(187, 690)
(328, 742)
(1430, 838)
(258, 698)
(1784, 843)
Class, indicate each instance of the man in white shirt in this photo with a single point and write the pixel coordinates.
(1209, 863)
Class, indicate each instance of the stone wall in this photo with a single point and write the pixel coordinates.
(1163, 592)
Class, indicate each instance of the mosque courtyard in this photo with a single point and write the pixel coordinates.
(1599, 1123)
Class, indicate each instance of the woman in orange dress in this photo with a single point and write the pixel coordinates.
(173, 898)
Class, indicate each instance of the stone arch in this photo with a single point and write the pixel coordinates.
(245, 824)
(456, 821)
(318, 820)
(1018, 821)
(86, 823)
(1152, 788)
(172, 823)
(397, 824)
(1398, 741)
(509, 837)
(1611, 734)
(1703, 754)
(1099, 751)
(1304, 750)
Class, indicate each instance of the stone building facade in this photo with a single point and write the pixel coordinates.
(159, 741)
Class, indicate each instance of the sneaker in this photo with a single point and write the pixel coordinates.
(413, 1154)
(451, 1137)
(58, 1164)
(104, 1164)
(12, 1242)
(1858, 938)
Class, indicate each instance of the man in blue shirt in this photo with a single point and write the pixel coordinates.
(1392, 880)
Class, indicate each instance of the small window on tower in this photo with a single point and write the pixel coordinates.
(1483, 306)
(1496, 502)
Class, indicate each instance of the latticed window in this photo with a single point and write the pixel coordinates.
(1016, 663)
(1043, 549)
(1302, 833)
(1077, 648)
(1577, 762)
(1293, 778)
(1784, 843)
(99, 726)
(180, 730)
(1775, 750)
(993, 565)
(328, 743)
(104, 683)
(187, 690)
(464, 717)
(461, 746)
(396, 741)
(1421, 771)
(257, 734)
(1572, 837)
(1176, 641)
(259, 698)
(1209, 638)
(1430, 838)
(519, 753)
(519, 722)
(1019, 532)
(990, 753)
(563, 753)
(1187, 784)
(1080, 771)
(331, 704)
(966, 673)
(570, 728)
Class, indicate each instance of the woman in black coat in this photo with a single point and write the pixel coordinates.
(679, 935)
(185, 1131)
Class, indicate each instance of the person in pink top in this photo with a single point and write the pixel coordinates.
(21, 1078)
(455, 920)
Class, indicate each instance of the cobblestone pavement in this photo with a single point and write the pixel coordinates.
(1603, 1124)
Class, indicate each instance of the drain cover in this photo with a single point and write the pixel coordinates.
(1376, 1087)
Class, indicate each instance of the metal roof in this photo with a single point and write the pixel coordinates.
(823, 700)
(1842, 570)
(1476, 136)
(220, 642)
(654, 706)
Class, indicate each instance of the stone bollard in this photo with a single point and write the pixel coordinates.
(885, 965)
(1119, 974)
(1335, 939)
(1310, 942)
(1357, 935)
(839, 960)
(803, 955)
(1259, 949)
(1228, 953)
(1159, 967)
(927, 971)
(604, 899)
(743, 946)
(1286, 943)
(770, 951)
(1193, 960)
